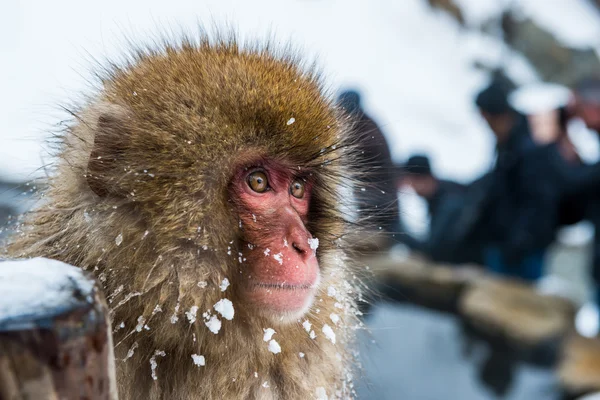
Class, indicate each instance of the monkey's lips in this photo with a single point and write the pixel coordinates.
(282, 297)
(283, 284)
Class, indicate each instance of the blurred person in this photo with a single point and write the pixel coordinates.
(576, 184)
(378, 198)
(515, 200)
(586, 102)
(445, 201)
(586, 106)
(573, 179)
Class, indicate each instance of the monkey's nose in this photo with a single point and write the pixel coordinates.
(299, 249)
(299, 241)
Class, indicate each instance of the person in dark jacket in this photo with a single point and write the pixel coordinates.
(563, 166)
(445, 200)
(516, 205)
(576, 184)
(378, 196)
(586, 106)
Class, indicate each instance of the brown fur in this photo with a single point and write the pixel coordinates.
(164, 134)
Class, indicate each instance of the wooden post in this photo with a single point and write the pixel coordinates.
(55, 336)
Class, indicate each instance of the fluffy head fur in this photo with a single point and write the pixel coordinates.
(140, 197)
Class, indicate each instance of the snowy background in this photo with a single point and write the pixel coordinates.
(413, 64)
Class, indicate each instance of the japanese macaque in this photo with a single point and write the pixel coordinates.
(201, 187)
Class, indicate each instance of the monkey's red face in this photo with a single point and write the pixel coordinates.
(279, 266)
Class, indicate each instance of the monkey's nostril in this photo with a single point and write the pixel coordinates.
(298, 248)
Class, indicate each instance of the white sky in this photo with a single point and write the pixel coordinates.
(413, 65)
(393, 51)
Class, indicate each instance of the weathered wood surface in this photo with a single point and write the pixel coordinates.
(513, 318)
(579, 369)
(55, 340)
(516, 311)
(418, 281)
(492, 303)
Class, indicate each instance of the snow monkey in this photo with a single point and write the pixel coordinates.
(201, 186)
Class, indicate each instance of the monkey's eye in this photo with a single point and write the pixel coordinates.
(258, 182)
(297, 189)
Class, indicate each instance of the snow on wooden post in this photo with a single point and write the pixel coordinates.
(55, 337)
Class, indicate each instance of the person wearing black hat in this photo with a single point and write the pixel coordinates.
(576, 184)
(510, 128)
(516, 205)
(420, 178)
(445, 202)
(586, 106)
(586, 102)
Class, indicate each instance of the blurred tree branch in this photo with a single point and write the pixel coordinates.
(553, 61)
(450, 7)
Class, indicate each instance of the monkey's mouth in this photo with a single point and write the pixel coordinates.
(283, 286)
(281, 298)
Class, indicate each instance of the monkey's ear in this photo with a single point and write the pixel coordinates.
(111, 139)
